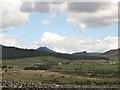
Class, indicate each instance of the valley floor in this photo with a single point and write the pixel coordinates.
(51, 72)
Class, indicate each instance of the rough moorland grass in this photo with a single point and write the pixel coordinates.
(87, 66)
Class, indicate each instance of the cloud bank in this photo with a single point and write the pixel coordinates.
(81, 14)
(12, 16)
(8, 40)
(74, 44)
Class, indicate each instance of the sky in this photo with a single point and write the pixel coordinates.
(65, 27)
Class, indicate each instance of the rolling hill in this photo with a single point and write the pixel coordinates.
(112, 54)
(13, 53)
(45, 49)
(86, 53)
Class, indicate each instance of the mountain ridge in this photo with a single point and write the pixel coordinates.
(13, 53)
(45, 49)
(87, 53)
(112, 54)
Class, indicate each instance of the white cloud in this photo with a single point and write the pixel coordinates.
(65, 44)
(80, 14)
(43, 7)
(51, 37)
(46, 22)
(12, 16)
(74, 44)
(91, 15)
(8, 40)
(89, 7)
(83, 15)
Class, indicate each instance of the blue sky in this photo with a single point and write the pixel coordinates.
(39, 23)
(33, 29)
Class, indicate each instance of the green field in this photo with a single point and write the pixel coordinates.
(62, 71)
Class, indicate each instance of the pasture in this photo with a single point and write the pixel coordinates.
(62, 71)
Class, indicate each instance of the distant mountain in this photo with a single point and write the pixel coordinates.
(14, 53)
(87, 53)
(112, 54)
(45, 49)
(81, 53)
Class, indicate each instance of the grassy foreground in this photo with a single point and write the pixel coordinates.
(54, 72)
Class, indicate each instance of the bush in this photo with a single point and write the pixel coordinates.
(41, 67)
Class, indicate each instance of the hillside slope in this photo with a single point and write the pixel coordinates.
(112, 54)
(45, 49)
(13, 53)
